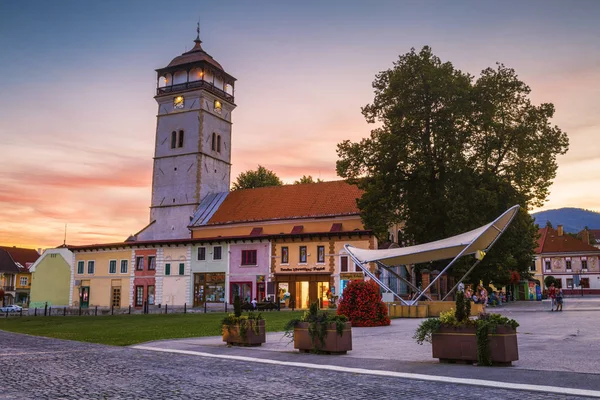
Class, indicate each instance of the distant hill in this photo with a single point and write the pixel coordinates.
(573, 220)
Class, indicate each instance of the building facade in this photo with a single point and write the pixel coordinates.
(52, 279)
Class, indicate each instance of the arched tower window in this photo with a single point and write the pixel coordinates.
(214, 142)
(180, 142)
(218, 143)
(173, 139)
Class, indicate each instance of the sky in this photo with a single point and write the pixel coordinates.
(78, 117)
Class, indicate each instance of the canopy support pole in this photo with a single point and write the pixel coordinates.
(372, 276)
(409, 283)
(461, 279)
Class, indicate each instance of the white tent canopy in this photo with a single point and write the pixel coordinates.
(478, 239)
(472, 242)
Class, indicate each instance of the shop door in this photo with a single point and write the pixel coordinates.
(198, 289)
(313, 293)
(85, 296)
(260, 292)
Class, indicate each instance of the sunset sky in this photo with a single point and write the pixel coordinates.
(77, 113)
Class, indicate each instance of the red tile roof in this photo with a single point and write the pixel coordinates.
(550, 242)
(323, 199)
(25, 257)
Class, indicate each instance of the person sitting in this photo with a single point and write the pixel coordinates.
(475, 299)
(494, 300)
(254, 303)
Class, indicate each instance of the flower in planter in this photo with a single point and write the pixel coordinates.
(458, 318)
(243, 323)
(318, 322)
(362, 304)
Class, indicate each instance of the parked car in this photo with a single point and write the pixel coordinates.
(12, 308)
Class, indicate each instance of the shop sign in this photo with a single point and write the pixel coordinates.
(260, 278)
(350, 276)
(302, 269)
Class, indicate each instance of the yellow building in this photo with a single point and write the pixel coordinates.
(52, 278)
(103, 277)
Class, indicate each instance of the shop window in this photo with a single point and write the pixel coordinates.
(124, 266)
(151, 263)
(181, 268)
(80, 267)
(585, 283)
(139, 263)
(139, 296)
(91, 266)
(248, 257)
(321, 254)
(151, 294)
(167, 269)
(285, 253)
(344, 264)
(201, 253)
(302, 254)
(570, 283)
(217, 252)
(112, 267)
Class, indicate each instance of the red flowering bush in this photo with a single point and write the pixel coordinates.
(362, 304)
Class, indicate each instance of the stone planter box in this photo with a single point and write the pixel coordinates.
(233, 337)
(437, 307)
(460, 344)
(334, 343)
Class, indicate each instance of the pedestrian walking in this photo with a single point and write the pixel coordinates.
(559, 300)
(552, 296)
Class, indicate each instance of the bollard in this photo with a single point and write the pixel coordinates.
(185, 308)
(50, 311)
(65, 312)
(129, 310)
(80, 309)
(204, 307)
(96, 312)
(225, 306)
(46, 309)
(35, 312)
(166, 308)
(7, 313)
(21, 312)
(112, 310)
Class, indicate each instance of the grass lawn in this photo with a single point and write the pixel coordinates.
(125, 330)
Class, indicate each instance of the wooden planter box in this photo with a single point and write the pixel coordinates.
(334, 343)
(232, 336)
(460, 344)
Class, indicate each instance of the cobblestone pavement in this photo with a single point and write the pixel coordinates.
(44, 368)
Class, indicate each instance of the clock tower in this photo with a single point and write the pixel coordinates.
(192, 156)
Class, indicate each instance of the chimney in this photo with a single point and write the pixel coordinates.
(586, 236)
(559, 228)
(39, 251)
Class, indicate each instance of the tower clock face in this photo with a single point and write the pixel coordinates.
(178, 102)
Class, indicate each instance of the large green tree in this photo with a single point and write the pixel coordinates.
(307, 179)
(451, 153)
(254, 179)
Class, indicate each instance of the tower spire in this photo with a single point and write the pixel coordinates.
(197, 41)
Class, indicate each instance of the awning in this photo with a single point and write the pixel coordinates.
(471, 242)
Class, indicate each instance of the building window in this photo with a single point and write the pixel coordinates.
(218, 143)
(90, 267)
(584, 264)
(285, 253)
(80, 267)
(584, 283)
(302, 254)
(173, 139)
(112, 267)
(569, 265)
(139, 263)
(320, 254)
(23, 281)
(168, 269)
(151, 263)
(139, 296)
(570, 283)
(180, 140)
(344, 264)
(547, 264)
(124, 266)
(201, 253)
(151, 294)
(181, 268)
(116, 297)
(248, 257)
(532, 266)
(214, 142)
(217, 253)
